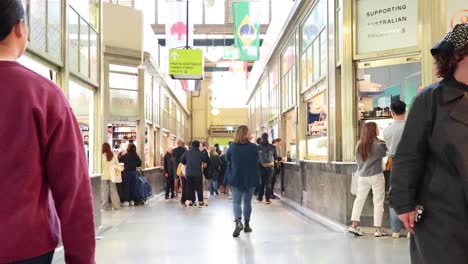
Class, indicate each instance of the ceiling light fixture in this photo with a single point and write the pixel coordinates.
(215, 111)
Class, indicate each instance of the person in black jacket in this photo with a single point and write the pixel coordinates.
(169, 173)
(430, 167)
(222, 174)
(218, 150)
(177, 153)
(267, 156)
(131, 162)
(213, 171)
(193, 160)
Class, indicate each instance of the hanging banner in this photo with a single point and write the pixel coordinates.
(176, 27)
(386, 25)
(246, 30)
(457, 13)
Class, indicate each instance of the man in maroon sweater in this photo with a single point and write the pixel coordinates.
(43, 165)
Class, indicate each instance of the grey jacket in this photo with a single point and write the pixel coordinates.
(373, 165)
(431, 169)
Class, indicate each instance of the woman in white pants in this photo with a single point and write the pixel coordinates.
(369, 153)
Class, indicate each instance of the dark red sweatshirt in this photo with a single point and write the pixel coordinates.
(42, 154)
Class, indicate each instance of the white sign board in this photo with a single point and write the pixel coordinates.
(386, 25)
(457, 12)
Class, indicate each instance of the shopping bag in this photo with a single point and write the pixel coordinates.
(116, 174)
(181, 170)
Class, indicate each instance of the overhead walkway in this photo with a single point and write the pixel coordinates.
(165, 233)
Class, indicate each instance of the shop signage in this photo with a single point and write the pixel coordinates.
(386, 25)
(457, 12)
(186, 64)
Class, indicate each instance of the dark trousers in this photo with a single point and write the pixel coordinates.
(196, 186)
(267, 183)
(128, 186)
(170, 185)
(44, 259)
(185, 190)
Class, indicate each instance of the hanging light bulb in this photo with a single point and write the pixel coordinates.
(215, 111)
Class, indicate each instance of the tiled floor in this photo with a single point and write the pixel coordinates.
(163, 232)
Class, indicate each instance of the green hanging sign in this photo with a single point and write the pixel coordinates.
(186, 64)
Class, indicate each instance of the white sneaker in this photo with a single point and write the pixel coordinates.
(380, 232)
(132, 203)
(125, 204)
(396, 235)
(408, 235)
(356, 231)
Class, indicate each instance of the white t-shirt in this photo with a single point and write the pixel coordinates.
(392, 135)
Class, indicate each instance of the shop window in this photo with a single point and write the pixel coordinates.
(54, 28)
(94, 55)
(314, 59)
(82, 102)
(73, 40)
(123, 89)
(317, 125)
(84, 48)
(123, 81)
(288, 76)
(380, 86)
(314, 24)
(123, 103)
(148, 97)
(38, 33)
(290, 134)
(274, 92)
(156, 112)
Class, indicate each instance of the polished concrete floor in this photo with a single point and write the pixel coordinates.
(164, 232)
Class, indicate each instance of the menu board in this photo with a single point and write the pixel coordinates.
(386, 25)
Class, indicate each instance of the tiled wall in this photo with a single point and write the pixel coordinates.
(325, 189)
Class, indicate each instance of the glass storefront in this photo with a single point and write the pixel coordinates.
(82, 102)
(382, 83)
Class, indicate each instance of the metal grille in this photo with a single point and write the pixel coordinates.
(38, 24)
(54, 36)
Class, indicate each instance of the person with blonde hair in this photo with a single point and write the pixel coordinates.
(243, 176)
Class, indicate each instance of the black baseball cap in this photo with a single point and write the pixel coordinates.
(454, 40)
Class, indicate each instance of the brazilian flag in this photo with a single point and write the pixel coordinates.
(246, 31)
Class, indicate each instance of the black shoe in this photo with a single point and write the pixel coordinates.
(239, 228)
(201, 204)
(274, 197)
(167, 197)
(260, 200)
(268, 202)
(173, 196)
(190, 205)
(247, 228)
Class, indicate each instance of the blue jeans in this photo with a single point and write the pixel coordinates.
(395, 222)
(213, 187)
(240, 195)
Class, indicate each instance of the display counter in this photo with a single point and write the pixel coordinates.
(324, 189)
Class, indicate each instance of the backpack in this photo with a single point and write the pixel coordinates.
(265, 155)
